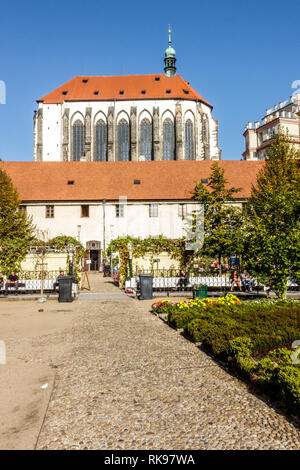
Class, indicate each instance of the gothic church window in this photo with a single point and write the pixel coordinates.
(101, 141)
(145, 139)
(78, 140)
(168, 140)
(189, 140)
(123, 141)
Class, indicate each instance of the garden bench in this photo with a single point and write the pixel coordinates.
(34, 285)
(171, 283)
(212, 282)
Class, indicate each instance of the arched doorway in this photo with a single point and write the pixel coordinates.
(93, 260)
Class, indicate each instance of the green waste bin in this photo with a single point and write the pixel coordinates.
(200, 292)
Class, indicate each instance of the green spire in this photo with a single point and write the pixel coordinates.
(170, 59)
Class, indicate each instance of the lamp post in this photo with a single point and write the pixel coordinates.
(103, 222)
(130, 258)
(78, 232)
(71, 249)
(111, 255)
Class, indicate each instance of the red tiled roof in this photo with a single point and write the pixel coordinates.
(94, 181)
(124, 87)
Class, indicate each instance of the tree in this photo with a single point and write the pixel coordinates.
(141, 247)
(16, 229)
(222, 221)
(272, 240)
(62, 242)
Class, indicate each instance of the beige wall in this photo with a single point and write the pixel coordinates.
(165, 262)
(52, 262)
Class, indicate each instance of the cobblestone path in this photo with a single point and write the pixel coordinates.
(131, 382)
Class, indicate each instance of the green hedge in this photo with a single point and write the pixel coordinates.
(267, 330)
(181, 318)
(251, 336)
(275, 374)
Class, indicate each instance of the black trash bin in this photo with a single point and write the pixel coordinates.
(65, 289)
(146, 286)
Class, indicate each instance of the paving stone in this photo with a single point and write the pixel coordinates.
(131, 382)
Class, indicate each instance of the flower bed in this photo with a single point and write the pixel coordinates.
(255, 338)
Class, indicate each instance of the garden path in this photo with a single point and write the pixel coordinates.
(131, 382)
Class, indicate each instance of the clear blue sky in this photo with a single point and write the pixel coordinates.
(240, 55)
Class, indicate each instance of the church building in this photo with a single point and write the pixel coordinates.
(126, 118)
(118, 156)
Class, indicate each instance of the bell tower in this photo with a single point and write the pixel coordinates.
(170, 59)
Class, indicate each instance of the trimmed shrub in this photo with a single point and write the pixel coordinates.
(275, 374)
(179, 319)
(289, 386)
(251, 336)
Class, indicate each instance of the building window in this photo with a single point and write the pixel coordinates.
(145, 139)
(123, 141)
(49, 212)
(101, 141)
(120, 210)
(182, 210)
(85, 211)
(189, 140)
(78, 140)
(168, 136)
(153, 210)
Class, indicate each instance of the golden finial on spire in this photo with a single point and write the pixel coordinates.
(169, 34)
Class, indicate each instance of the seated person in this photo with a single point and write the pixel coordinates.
(1, 281)
(214, 266)
(12, 281)
(56, 283)
(246, 281)
(183, 280)
(235, 280)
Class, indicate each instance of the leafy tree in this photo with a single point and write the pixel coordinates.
(16, 229)
(222, 221)
(150, 245)
(272, 240)
(61, 243)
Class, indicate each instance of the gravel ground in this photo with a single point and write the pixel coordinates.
(131, 382)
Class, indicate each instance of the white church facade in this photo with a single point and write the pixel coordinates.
(126, 118)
